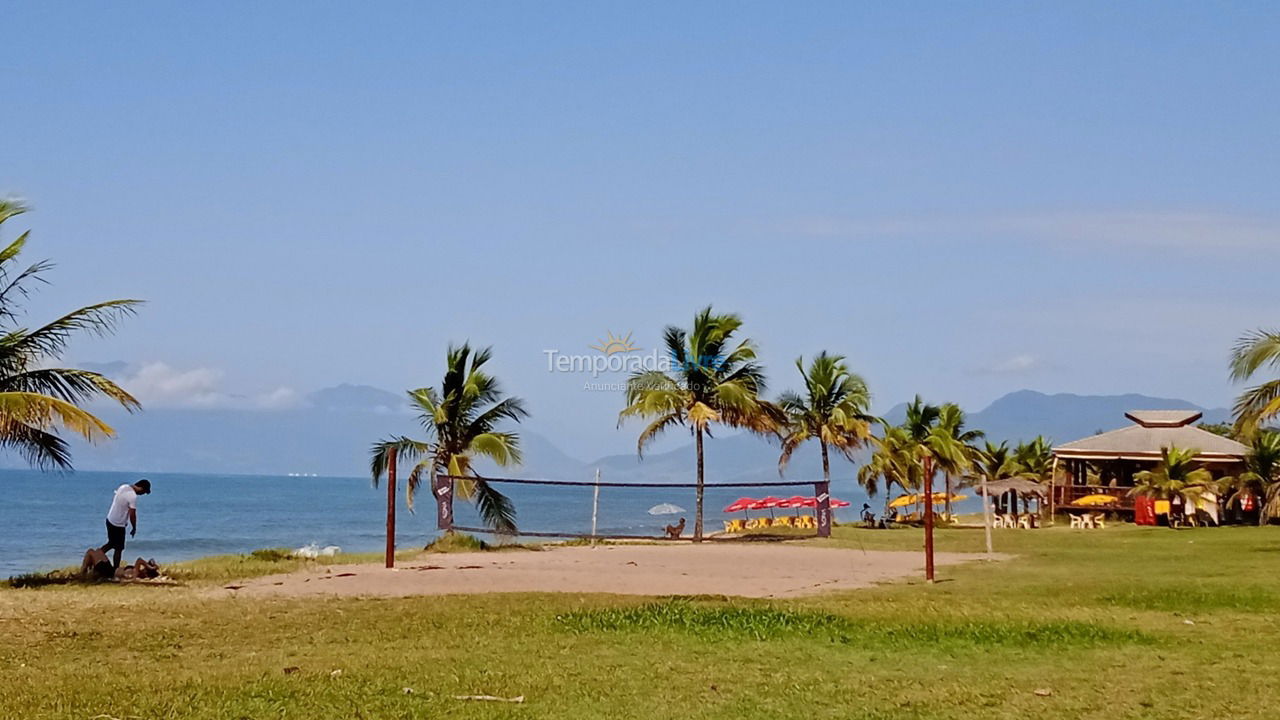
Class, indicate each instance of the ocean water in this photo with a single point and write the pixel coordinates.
(49, 519)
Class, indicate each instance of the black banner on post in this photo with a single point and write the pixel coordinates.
(823, 496)
(443, 490)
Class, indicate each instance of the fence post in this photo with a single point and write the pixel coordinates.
(444, 502)
(823, 495)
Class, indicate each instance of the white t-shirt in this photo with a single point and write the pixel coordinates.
(126, 499)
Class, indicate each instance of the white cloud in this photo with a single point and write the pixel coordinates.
(156, 384)
(1019, 364)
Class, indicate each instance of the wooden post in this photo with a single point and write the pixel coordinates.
(928, 518)
(1053, 477)
(391, 508)
(986, 514)
(823, 496)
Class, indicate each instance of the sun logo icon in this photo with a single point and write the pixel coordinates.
(611, 344)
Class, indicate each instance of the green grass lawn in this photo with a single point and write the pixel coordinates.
(1121, 623)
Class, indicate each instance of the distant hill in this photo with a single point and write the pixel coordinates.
(330, 434)
(1065, 417)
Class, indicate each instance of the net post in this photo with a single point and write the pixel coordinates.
(391, 508)
(443, 491)
(823, 495)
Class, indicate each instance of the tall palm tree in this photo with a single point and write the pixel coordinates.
(38, 399)
(892, 461)
(711, 380)
(951, 421)
(1177, 475)
(1261, 476)
(832, 409)
(1259, 403)
(1035, 460)
(935, 447)
(461, 422)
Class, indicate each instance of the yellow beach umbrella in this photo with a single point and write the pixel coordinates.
(915, 499)
(1097, 499)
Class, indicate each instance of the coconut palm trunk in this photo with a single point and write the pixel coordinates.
(697, 519)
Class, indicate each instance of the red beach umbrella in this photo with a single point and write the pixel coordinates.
(768, 503)
(837, 503)
(797, 502)
(742, 504)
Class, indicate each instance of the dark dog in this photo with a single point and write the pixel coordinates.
(675, 531)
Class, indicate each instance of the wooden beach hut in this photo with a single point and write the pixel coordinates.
(1105, 464)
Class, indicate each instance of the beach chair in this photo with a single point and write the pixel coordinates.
(728, 526)
(785, 521)
(1098, 521)
(1077, 521)
(737, 525)
(1024, 522)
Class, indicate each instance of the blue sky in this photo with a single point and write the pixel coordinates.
(966, 199)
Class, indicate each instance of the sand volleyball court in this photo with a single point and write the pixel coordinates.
(746, 570)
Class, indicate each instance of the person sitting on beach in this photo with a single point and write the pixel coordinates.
(675, 531)
(96, 565)
(124, 509)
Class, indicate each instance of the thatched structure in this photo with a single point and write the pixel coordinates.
(1106, 463)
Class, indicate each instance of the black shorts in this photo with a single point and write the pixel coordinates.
(115, 537)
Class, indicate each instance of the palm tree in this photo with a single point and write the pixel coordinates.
(711, 380)
(1035, 459)
(37, 399)
(951, 420)
(892, 461)
(832, 409)
(1177, 475)
(1260, 403)
(461, 423)
(1261, 476)
(934, 446)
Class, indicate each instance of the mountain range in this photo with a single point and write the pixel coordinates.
(331, 431)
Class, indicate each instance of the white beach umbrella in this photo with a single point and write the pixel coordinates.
(665, 509)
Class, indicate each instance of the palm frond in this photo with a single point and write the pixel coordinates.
(1254, 350)
(407, 450)
(1256, 406)
(50, 340)
(40, 449)
(69, 384)
(44, 412)
(496, 510)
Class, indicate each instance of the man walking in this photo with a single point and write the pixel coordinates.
(124, 509)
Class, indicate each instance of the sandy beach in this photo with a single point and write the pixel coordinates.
(760, 571)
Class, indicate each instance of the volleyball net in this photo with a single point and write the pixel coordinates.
(606, 510)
